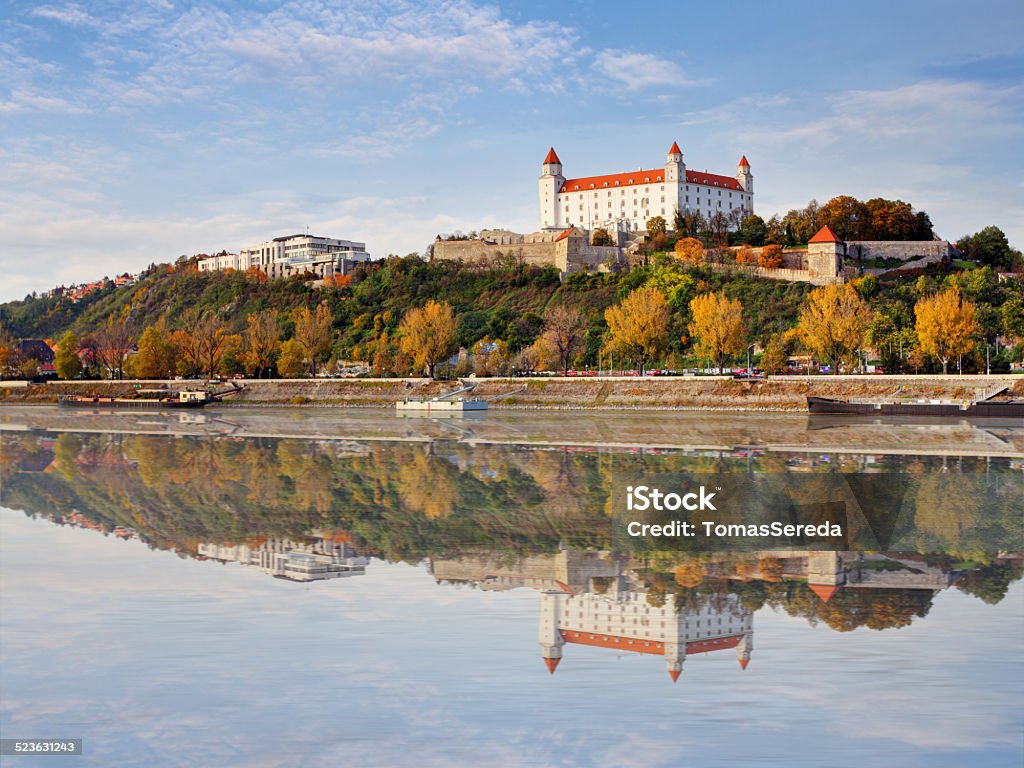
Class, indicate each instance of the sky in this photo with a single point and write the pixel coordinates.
(135, 132)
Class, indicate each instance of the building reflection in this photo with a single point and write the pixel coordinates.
(321, 556)
(605, 600)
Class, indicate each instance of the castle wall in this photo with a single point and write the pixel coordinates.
(537, 253)
(905, 250)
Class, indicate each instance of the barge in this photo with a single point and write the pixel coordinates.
(981, 409)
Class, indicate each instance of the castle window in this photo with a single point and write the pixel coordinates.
(647, 180)
(606, 184)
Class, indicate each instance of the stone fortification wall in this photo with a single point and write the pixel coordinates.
(539, 254)
(906, 250)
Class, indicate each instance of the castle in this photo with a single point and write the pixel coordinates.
(625, 201)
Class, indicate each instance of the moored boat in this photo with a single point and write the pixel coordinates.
(149, 399)
(985, 409)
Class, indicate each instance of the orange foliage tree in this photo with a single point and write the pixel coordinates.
(770, 257)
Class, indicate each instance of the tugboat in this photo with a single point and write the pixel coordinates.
(149, 399)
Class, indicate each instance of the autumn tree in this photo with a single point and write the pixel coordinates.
(638, 325)
(114, 345)
(563, 334)
(156, 358)
(745, 255)
(770, 257)
(718, 327)
(847, 216)
(210, 336)
(189, 352)
(314, 332)
(490, 357)
(67, 362)
(833, 322)
(947, 325)
(691, 250)
(774, 358)
(428, 334)
(290, 363)
(262, 341)
(601, 236)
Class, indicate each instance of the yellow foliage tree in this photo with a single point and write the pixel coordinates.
(314, 332)
(291, 364)
(718, 327)
(638, 325)
(745, 255)
(833, 322)
(691, 250)
(947, 325)
(428, 334)
(262, 341)
(156, 358)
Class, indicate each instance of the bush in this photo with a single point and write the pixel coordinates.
(770, 257)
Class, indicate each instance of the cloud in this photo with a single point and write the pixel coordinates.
(28, 101)
(639, 70)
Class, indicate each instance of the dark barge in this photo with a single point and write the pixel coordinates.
(982, 409)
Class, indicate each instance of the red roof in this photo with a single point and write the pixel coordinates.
(674, 674)
(551, 664)
(825, 235)
(744, 662)
(825, 593)
(562, 237)
(552, 157)
(653, 176)
(743, 162)
(674, 149)
(636, 645)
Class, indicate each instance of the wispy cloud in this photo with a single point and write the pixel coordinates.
(639, 70)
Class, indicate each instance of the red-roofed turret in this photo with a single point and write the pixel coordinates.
(743, 663)
(825, 235)
(551, 664)
(744, 163)
(552, 157)
(674, 149)
(823, 591)
(674, 674)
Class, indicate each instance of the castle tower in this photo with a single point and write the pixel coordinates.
(550, 638)
(745, 648)
(745, 177)
(675, 169)
(551, 180)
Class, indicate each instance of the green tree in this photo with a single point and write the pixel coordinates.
(66, 361)
(656, 225)
(752, 230)
(988, 246)
(602, 237)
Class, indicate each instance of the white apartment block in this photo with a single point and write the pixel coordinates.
(312, 560)
(625, 201)
(291, 254)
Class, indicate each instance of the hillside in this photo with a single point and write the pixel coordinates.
(502, 303)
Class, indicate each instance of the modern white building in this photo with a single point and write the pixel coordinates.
(292, 254)
(312, 560)
(625, 201)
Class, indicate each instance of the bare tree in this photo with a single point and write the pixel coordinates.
(564, 329)
(114, 343)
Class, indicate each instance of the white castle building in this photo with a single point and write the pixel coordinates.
(625, 201)
(625, 622)
(292, 254)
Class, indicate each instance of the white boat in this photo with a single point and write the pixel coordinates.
(437, 405)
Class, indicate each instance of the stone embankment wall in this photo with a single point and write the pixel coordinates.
(715, 393)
